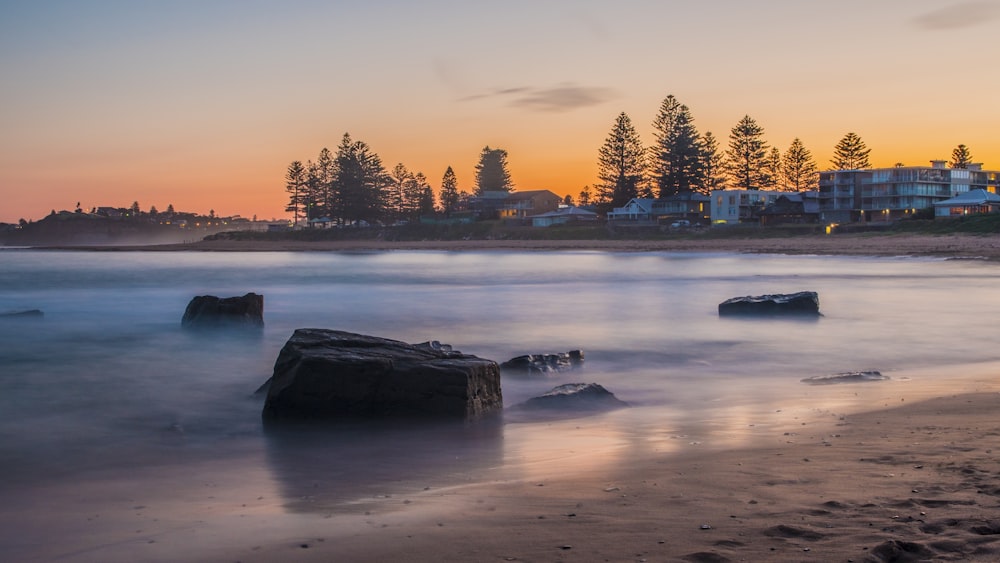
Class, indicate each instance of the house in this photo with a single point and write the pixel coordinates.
(730, 207)
(791, 208)
(887, 194)
(563, 216)
(968, 203)
(637, 209)
(519, 205)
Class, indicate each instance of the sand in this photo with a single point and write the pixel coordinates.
(963, 246)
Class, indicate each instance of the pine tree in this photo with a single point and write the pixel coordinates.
(359, 182)
(491, 172)
(324, 199)
(295, 184)
(395, 195)
(799, 168)
(850, 153)
(676, 155)
(773, 176)
(449, 192)
(413, 195)
(747, 154)
(712, 165)
(961, 158)
(426, 204)
(621, 164)
(584, 197)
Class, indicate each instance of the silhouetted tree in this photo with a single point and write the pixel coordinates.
(850, 153)
(584, 198)
(426, 204)
(492, 173)
(713, 168)
(135, 211)
(153, 212)
(568, 200)
(359, 181)
(396, 197)
(961, 158)
(295, 184)
(621, 164)
(799, 168)
(747, 154)
(676, 160)
(321, 198)
(170, 208)
(449, 192)
(773, 177)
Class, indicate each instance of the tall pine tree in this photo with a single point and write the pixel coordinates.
(774, 178)
(799, 167)
(621, 164)
(449, 192)
(747, 155)
(676, 155)
(491, 172)
(961, 158)
(295, 185)
(713, 167)
(850, 153)
(360, 182)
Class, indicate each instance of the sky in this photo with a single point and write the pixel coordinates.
(203, 104)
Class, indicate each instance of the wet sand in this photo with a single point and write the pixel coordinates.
(908, 482)
(962, 246)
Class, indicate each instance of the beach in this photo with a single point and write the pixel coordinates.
(897, 470)
(962, 246)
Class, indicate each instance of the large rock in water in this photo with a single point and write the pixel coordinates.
(333, 374)
(805, 303)
(212, 311)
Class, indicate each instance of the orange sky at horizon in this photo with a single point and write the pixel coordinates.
(204, 106)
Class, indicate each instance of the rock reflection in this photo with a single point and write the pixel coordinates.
(330, 466)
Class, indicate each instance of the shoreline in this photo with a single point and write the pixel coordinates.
(949, 246)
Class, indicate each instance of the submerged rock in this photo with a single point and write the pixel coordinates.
(544, 363)
(323, 374)
(575, 398)
(23, 314)
(846, 377)
(804, 303)
(210, 311)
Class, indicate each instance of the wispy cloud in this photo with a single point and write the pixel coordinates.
(563, 98)
(957, 16)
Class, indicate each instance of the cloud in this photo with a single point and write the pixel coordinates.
(558, 99)
(958, 16)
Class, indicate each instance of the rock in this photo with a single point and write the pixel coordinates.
(326, 374)
(575, 397)
(210, 311)
(544, 363)
(24, 314)
(804, 303)
(846, 377)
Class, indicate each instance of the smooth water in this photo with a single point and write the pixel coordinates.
(108, 381)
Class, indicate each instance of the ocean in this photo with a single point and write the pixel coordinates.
(108, 388)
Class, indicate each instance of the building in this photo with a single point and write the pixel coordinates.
(689, 206)
(888, 194)
(731, 207)
(563, 216)
(968, 203)
(792, 208)
(514, 205)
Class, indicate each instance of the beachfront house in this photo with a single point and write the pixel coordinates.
(562, 216)
(889, 194)
(968, 203)
(731, 207)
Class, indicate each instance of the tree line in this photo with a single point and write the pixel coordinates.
(353, 187)
(681, 160)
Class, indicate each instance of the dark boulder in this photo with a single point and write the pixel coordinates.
(805, 303)
(544, 363)
(24, 314)
(328, 374)
(574, 398)
(210, 311)
(846, 377)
